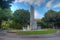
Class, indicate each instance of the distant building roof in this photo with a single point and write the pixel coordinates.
(38, 19)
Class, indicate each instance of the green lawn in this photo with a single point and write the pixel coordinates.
(37, 32)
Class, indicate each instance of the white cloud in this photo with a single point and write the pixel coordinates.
(49, 3)
(57, 5)
(36, 14)
(36, 2)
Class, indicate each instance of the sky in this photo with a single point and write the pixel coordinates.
(40, 6)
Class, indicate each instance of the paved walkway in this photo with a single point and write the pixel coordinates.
(13, 36)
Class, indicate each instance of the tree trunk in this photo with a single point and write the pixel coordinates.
(53, 26)
(0, 24)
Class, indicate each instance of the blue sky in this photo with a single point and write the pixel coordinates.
(40, 6)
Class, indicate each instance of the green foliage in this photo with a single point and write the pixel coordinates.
(5, 14)
(5, 25)
(14, 25)
(22, 17)
(43, 24)
(58, 16)
(52, 18)
(5, 3)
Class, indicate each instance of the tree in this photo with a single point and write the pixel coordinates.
(22, 17)
(14, 25)
(4, 25)
(58, 16)
(50, 17)
(57, 19)
(5, 10)
(4, 15)
(5, 3)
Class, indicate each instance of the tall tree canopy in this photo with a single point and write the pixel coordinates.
(52, 17)
(5, 3)
(5, 12)
(58, 16)
(4, 15)
(22, 16)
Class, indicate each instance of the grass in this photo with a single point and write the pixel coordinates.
(49, 31)
(35, 32)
